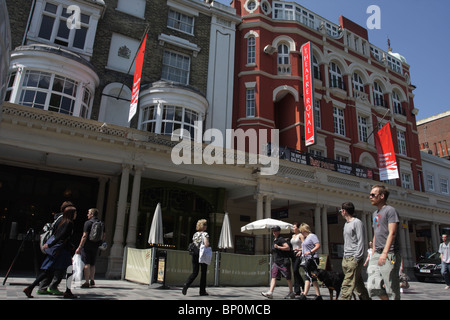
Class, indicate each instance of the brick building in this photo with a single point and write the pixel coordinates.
(434, 136)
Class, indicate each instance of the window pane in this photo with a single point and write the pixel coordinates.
(80, 38)
(46, 27)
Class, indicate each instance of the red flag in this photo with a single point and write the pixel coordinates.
(387, 162)
(137, 79)
(308, 94)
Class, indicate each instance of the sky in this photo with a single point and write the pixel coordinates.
(418, 30)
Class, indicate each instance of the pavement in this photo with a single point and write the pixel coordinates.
(106, 289)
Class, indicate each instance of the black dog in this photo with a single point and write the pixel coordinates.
(331, 279)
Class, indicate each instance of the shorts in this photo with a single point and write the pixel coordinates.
(384, 280)
(89, 255)
(279, 270)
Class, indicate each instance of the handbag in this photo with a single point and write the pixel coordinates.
(193, 249)
(205, 254)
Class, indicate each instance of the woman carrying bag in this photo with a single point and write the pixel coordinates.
(200, 238)
(310, 246)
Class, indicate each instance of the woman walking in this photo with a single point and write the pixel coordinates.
(310, 246)
(199, 237)
(59, 256)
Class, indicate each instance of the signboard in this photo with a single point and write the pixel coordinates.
(308, 93)
(387, 163)
(137, 79)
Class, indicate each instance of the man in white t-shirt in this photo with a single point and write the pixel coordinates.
(444, 250)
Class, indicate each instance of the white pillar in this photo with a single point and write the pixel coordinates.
(134, 207)
(317, 225)
(116, 254)
(324, 239)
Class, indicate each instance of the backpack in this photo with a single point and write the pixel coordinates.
(96, 233)
(47, 231)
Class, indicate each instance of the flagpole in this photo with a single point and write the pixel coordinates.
(135, 55)
(387, 111)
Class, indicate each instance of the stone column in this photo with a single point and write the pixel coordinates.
(116, 255)
(134, 207)
(324, 240)
(317, 225)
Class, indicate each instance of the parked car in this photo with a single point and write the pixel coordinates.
(429, 268)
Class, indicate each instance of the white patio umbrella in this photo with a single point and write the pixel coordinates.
(225, 239)
(156, 229)
(263, 226)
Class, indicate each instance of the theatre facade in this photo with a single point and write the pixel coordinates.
(63, 135)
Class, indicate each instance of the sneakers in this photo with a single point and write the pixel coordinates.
(267, 294)
(55, 292)
(291, 295)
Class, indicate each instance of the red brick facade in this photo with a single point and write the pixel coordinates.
(434, 134)
(274, 80)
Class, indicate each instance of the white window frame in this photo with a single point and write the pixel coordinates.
(283, 59)
(173, 72)
(181, 21)
(94, 12)
(336, 78)
(397, 104)
(443, 185)
(378, 95)
(401, 139)
(406, 180)
(250, 103)
(339, 121)
(430, 182)
(363, 128)
(251, 50)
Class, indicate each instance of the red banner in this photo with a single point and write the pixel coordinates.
(137, 79)
(387, 162)
(308, 93)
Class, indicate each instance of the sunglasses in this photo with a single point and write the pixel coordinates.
(372, 195)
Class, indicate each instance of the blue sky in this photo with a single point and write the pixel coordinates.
(418, 30)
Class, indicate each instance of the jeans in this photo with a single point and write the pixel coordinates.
(445, 270)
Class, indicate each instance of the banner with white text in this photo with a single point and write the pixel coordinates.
(387, 162)
(137, 79)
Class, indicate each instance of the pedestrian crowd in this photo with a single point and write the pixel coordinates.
(59, 250)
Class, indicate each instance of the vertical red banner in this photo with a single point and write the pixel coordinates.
(137, 79)
(308, 93)
(387, 163)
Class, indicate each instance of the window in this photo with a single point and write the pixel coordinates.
(165, 119)
(406, 181)
(316, 69)
(341, 158)
(175, 67)
(430, 182)
(357, 82)
(251, 45)
(443, 182)
(52, 92)
(317, 121)
(397, 103)
(284, 61)
(180, 21)
(339, 122)
(250, 102)
(394, 63)
(401, 142)
(54, 27)
(378, 98)
(336, 80)
(362, 128)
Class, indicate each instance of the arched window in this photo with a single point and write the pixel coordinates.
(336, 80)
(378, 98)
(316, 69)
(284, 61)
(357, 82)
(397, 103)
(251, 49)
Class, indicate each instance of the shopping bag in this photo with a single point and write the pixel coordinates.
(205, 254)
(78, 267)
